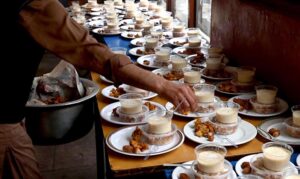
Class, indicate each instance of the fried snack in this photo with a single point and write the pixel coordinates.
(150, 106)
(228, 87)
(190, 51)
(135, 144)
(244, 103)
(217, 73)
(173, 75)
(146, 62)
(204, 129)
(246, 169)
(183, 176)
(139, 51)
(198, 59)
(274, 132)
(116, 92)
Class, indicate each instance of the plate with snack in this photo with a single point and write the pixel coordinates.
(243, 166)
(96, 24)
(183, 172)
(130, 28)
(149, 61)
(184, 52)
(139, 42)
(197, 60)
(227, 87)
(280, 130)
(113, 92)
(127, 141)
(106, 31)
(202, 131)
(217, 75)
(178, 41)
(113, 113)
(207, 112)
(140, 51)
(126, 22)
(168, 74)
(131, 35)
(247, 108)
(103, 78)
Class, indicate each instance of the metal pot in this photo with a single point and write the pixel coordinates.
(59, 121)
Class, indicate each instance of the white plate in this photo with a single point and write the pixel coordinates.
(125, 34)
(163, 71)
(104, 33)
(176, 172)
(126, 22)
(95, 24)
(298, 160)
(283, 106)
(117, 139)
(105, 92)
(133, 51)
(169, 107)
(134, 42)
(214, 78)
(283, 137)
(231, 93)
(191, 57)
(130, 28)
(151, 59)
(179, 49)
(96, 13)
(96, 18)
(238, 168)
(178, 39)
(245, 133)
(105, 79)
(106, 114)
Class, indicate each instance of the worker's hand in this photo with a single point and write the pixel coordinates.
(177, 93)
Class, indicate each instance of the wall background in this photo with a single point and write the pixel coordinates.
(268, 38)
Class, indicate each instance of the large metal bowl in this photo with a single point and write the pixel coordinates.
(60, 121)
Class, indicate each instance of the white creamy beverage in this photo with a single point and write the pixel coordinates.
(276, 158)
(178, 28)
(194, 42)
(293, 177)
(151, 42)
(191, 77)
(210, 162)
(205, 96)
(193, 32)
(213, 63)
(166, 23)
(296, 118)
(226, 115)
(162, 56)
(178, 63)
(245, 75)
(131, 106)
(159, 125)
(266, 96)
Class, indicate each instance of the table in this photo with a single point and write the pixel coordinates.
(125, 165)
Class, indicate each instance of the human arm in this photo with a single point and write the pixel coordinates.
(49, 24)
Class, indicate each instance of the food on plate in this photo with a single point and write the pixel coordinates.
(189, 51)
(291, 129)
(246, 168)
(244, 103)
(150, 106)
(204, 129)
(180, 43)
(221, 73)
(135, 144)
(172, 75)
(134, 35)
(274, 132)
(146, 62)
(198, 59)
(183, 176)
(116, 92)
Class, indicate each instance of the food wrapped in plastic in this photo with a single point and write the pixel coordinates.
(61, 85)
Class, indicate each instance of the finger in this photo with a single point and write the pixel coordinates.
(190, 98)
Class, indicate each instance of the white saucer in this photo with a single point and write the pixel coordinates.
(105, 92)
(133, 51)
(117, 139)
(238, 168)
(245, 133)
(134, 42)
(125, 34)
(178, 39)
(106, 114)
(283, 106)
(151, 58)
(96, 31)
(191, 57)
